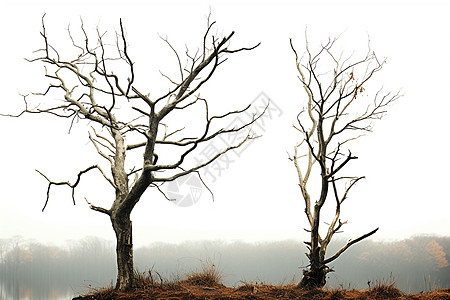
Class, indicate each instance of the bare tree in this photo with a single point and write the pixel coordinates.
(337, 111)
(98, 86)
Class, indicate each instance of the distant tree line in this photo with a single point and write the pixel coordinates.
(416, 264)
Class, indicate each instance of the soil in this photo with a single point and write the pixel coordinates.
(188, 290)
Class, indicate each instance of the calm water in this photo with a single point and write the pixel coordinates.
(23, 292)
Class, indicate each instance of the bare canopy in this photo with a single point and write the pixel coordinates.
(97, 83)
(337, 111)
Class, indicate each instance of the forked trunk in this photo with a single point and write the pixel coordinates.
(124, 252)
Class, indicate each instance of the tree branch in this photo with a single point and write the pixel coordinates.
(98, 208)
(328, 260)
(72, 186)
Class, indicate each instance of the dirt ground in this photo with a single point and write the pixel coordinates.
(188, 290)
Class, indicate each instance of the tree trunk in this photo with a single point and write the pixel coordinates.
(124, 252)
(314, 278)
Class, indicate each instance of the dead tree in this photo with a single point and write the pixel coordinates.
(337, 111)
(97, 85)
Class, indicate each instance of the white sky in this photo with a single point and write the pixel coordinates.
(406, 159)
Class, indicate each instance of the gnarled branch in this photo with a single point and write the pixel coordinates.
(72, 185)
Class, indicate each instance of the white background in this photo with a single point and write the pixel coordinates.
(405, 160)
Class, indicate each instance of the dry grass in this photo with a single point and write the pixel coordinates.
(385, 289)
(209, 276)
(206, 285)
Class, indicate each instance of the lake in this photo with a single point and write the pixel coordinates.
(20, 291)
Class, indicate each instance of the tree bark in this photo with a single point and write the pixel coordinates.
(315, 277)
(124, 251)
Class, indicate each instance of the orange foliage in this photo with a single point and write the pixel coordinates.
(437, 253)
(25, 256)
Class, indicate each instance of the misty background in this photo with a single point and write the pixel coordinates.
(404, 159)
(31, 270)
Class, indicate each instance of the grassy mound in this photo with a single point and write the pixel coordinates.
(207, 285)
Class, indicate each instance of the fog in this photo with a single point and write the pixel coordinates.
(29, 269)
